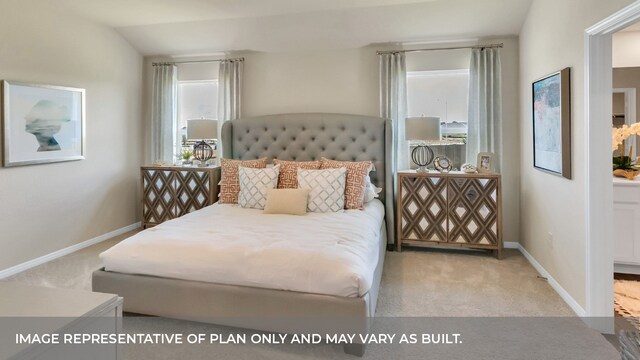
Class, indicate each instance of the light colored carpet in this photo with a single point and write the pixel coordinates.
(627, 296)
(416, 283)
(626, 302)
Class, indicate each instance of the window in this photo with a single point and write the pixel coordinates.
(196, 100)
(443, 94)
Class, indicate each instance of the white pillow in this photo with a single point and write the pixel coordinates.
(254, 184)
(370, 191)
(326, 188)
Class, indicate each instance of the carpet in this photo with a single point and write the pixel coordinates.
(500, 307)
(626, 300)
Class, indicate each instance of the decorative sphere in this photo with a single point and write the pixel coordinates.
(422, 155)
(202, 151)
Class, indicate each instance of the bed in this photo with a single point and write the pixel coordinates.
(262, 300)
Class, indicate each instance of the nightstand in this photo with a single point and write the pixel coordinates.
(452, 209)
(169, 192)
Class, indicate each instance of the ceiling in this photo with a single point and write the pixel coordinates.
(118, 13)
(178, 27)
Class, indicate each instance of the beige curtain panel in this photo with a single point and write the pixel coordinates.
(393, 103)
(229, 93)
(164, 112)
(485, 104)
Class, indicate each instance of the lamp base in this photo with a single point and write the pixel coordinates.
(202, 152)
(422, 155)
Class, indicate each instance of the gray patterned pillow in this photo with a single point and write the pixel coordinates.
(327, 188)
(254, 184)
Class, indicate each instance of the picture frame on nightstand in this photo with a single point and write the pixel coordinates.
(485, 164)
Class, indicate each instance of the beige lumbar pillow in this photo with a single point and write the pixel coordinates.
(287, 201)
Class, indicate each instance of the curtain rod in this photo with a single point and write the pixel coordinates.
(195, 61)
(443, 48)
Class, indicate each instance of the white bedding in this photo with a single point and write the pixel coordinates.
(330, 253)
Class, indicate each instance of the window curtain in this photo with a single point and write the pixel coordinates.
(164, 112)
(229, 93)
(393, 104)
(485, 105)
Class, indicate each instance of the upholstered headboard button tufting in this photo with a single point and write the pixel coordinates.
(304, 137)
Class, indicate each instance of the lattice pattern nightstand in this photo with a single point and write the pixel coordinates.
(453, 209)
(170, 192)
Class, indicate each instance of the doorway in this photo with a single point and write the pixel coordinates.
(599, 192)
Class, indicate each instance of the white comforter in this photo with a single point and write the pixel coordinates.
(332, 254)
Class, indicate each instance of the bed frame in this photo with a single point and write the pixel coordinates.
(298, 137)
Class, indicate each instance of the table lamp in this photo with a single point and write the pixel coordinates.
(202, 129)
(426, 128)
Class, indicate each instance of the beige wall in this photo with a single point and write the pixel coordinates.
(341, 81)
(628, 77)
(625, 49)
(44, 208)
(553, 38)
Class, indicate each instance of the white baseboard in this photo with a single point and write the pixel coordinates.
(626, 268)
(511, 245)
(573, 304)
(66, 251)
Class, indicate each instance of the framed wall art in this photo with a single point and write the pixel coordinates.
(551, 106)
(42, 123)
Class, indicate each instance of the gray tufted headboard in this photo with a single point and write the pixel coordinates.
(310, 136)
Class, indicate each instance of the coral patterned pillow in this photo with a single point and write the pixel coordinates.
(357, 172)
(230, 183)
(289, 172)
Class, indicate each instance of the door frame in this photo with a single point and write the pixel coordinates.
(598, 185)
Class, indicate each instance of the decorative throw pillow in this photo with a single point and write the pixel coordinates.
(356, 174)
(230, 184)
(370, 191)
(254, 184)
(289, 172)
(287, 201)
(327, 188)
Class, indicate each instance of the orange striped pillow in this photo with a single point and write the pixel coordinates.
(288, 178)
(357, 172)
(230, 183)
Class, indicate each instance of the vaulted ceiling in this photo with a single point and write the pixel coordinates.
(171, 27)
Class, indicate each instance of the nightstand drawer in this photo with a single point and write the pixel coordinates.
(424, 206)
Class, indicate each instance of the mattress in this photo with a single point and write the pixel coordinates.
(321, 253)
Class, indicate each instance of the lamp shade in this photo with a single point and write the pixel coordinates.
(202, 129)
(422, 128)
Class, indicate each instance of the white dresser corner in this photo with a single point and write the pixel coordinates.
(626, 215)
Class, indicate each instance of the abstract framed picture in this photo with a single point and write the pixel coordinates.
(551, 108)
(42, 123)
